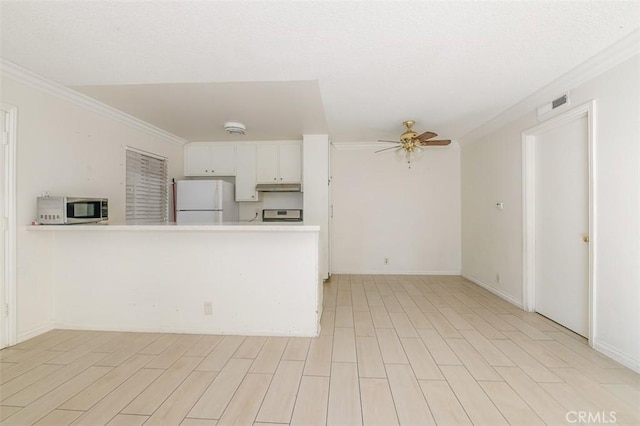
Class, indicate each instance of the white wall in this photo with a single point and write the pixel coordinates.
(66, 149)
(382, 209)
(491, 239)
(315, 179)
(260, 280)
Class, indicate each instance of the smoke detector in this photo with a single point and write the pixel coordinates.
(234, 128)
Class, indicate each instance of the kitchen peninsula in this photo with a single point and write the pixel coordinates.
(239, 278)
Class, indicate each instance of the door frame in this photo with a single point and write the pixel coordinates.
(587, 110)
(9, 331)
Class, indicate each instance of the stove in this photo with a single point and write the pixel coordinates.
(282, 215)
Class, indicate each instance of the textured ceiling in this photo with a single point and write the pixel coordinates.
(451, 66)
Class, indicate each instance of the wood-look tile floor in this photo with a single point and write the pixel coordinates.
(409, 350)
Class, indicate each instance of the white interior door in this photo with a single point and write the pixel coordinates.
(562, 224)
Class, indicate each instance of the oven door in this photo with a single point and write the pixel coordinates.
(282, 215)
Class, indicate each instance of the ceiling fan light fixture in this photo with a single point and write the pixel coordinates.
(412, 143)
(409, 135)
(235, 128)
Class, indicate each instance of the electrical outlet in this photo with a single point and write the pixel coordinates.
(208, 308)
(386, 260)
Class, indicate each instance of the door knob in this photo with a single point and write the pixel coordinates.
(585, 238)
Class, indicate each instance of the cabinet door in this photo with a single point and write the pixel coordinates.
(209, 159)
(290, 163)
(246, 173)
(223, 160)
(267, 163)
(197, 160)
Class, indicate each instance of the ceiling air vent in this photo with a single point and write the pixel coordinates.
(556, 103)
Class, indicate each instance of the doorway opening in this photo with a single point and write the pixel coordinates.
(559, 235)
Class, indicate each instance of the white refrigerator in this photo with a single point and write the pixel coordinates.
(205, 202)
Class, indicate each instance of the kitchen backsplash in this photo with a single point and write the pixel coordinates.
(271, 200)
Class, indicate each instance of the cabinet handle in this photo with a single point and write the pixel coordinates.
(275, 178)
(280, 178)
(253, 196)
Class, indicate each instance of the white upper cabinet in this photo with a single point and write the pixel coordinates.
(246, 173)
(209, 159)
(267, 163)
(250, 162)
(290, 163)
(279, 162)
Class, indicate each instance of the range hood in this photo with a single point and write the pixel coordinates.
(278, 187)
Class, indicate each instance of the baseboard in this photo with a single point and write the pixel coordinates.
(387, 272)
(176, 330)
(501, 294)
(617, 355)
(36, 331)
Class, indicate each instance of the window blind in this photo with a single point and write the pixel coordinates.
(146, 186)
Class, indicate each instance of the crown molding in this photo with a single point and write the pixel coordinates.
(22, 75)
(358, 145)
(603, 61)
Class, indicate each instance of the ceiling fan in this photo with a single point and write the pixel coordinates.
(411, 142)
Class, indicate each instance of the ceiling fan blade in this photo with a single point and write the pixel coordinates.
(436, 142)
(385, 140)
(385, 149)
(426, 135)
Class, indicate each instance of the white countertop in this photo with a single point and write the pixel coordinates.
(172, 226)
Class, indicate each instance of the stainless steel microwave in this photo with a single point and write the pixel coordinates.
(70, 210)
